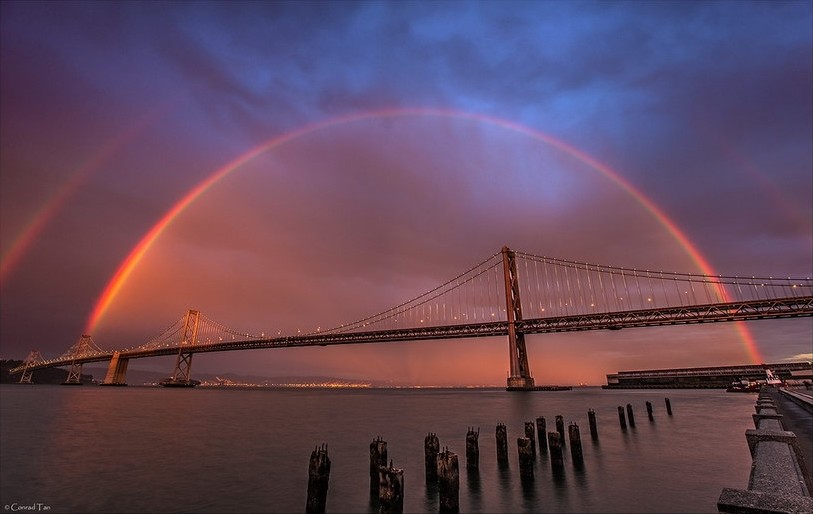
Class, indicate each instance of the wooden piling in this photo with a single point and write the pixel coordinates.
(668, 406)
(378, 458)
(448, 482)
(575, 442)
(431, 447)
(318, 478)
(541, 435)
(555, 446)
(621, 418)
(526, 457)
(529, 433)
(649, 411)
(560, 427)
(630, 415)
(390, 490)
(591, 418)
(502, 443)
(473, 449)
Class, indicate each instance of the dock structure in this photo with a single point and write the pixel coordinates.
(715, 377)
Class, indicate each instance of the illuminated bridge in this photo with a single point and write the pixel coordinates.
(509, 294)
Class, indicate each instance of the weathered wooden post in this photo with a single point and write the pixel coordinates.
(473, 449)
(431, 447)
(448, 482)
(560, 427)
(502, 443)
(378, 458)
(668, 406)
(318, 477)
(630, 416)
(575, 442)
(541, 435)
(591, 418)
(390, 490)
(649, 411)
(621, 418)
(529, 433)
(555, 446)
(526, 457)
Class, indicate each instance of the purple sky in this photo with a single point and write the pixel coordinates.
(111, 113)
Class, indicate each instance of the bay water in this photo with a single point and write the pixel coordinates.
(150, 449)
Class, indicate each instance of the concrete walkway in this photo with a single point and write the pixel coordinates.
(799, 421)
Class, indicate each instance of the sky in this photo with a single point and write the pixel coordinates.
(282, 166)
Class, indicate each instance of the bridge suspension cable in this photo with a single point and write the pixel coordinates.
(476, 295)
(207, 332)
(558, 287)
(84, 347)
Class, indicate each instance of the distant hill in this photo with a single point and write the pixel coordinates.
(40, 376)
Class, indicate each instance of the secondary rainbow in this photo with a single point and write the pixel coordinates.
(31, 231)
(134, 258)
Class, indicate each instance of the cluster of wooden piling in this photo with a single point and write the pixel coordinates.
(550, 443)
(630, 415)
(442, 468)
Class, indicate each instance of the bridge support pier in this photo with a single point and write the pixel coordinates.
(519, 378)
(116, 371)
(74, 374)
(26, 377)
(34, 357)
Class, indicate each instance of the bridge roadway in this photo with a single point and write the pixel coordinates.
(707, 313)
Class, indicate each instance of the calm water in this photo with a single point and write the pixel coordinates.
(139, 449)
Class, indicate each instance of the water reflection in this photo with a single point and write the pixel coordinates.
(528, 491)
(475, 493)
(430, 499)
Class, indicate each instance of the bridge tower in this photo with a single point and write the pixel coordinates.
(82, 347)
(519, 378)
(183, 363)
(33, 358)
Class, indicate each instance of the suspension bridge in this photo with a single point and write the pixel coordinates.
(509, 294)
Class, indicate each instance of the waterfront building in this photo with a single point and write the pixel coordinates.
(717, 377)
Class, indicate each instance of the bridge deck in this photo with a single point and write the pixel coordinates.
(707, 313)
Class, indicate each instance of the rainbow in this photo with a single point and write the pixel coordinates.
(37, 223)
(134, 258)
